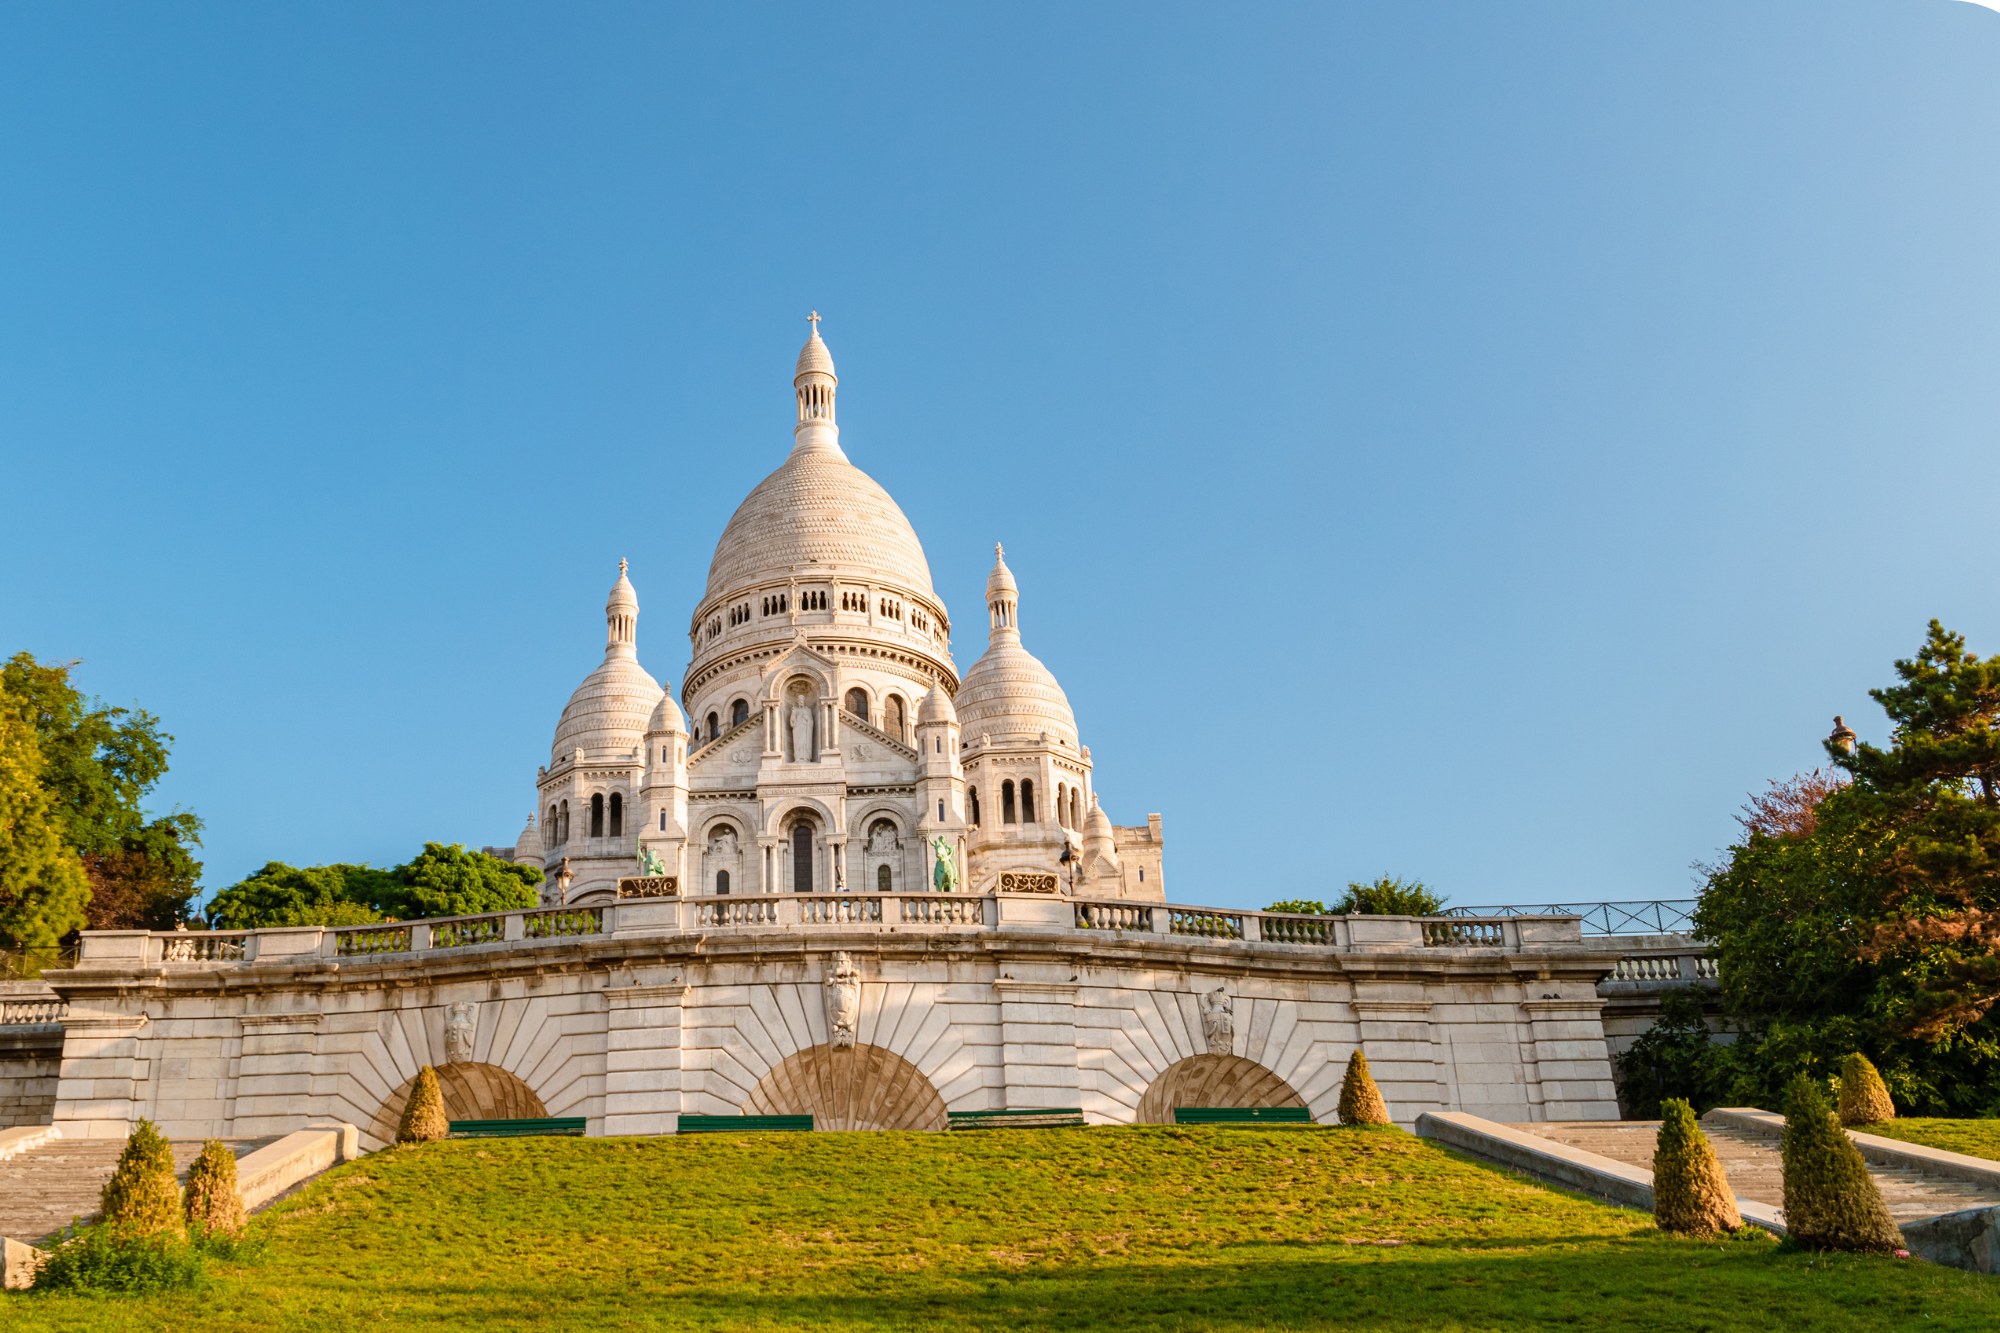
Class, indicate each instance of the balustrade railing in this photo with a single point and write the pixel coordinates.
(466, 930)
(362, 941)
(942, 909)
(202, 946)
(559, 923)
(1463, 934)
(840, 909)
(1286, 929)
(749, 910)
(1205, 922)
(1114, 916)
(21, 1013)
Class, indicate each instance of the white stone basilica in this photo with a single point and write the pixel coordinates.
(833, 745)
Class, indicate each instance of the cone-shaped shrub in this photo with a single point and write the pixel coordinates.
(1360, 1100)
(1830, 1203)
(1863, 1098)
(143, 1198)
(214, 1208)
(1691, 1194)
(424, 1118)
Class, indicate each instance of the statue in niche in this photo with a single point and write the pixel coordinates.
(944, 872)
(882, 841)
(1218, 1022)
(801, 719)
(843, 1000)
(459, 1029)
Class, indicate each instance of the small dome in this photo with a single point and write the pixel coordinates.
(1097, 829)
(1001, 581)
(814, 359)
(528, 847)
(667, 716)
(624, 597)
(1008, 693)
(608, 712)
(936, 707)
(819, 514)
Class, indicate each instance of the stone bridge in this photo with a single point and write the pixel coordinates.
(866, 1011)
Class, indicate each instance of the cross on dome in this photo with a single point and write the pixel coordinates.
(813, 319)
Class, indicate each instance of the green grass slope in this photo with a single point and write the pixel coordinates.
(1055, 1229)
(1975, 1138)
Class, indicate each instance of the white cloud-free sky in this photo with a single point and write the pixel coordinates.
(1476, 442)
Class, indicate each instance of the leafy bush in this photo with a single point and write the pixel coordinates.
(143, 1198)
(214, 1208)
(1830, 1201)
(1298, 907)
(1691, 1193)
(113, 1261)
(424, 1120)
(1360, 1100)
(1675, 1058)
(1863, 1099)
(1389, 896)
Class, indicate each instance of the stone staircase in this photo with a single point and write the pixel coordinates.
(1755, 1169)
(43, 1189)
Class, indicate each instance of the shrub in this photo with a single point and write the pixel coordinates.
(1360, 1100)
(113, 1260)
(214, 1208)
(424, 1118)
(1691, 1193)
(1863, 1098)
(143, 1198)
(1389, 896)
(1830, 1202)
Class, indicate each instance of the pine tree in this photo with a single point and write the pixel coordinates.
(1691, 1193)
(1360, 1100)
(142, 1197)
(43, 889)
(1830, 1201)
(214, 1208)
(1864, 1100)
(424, 1118)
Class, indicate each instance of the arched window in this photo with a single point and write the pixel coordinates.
(857, 703)
(972, 794)
(1007, 801)
(885, 882)
(551, 828)
(739, 712)
(714, 726)
(663, 821)
(940, 812)
(892, 716)
(802, 857)
(1027, 801)
(597, 815)
(722, 881)
(617, 815)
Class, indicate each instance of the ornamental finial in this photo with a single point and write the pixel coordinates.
(621, 566)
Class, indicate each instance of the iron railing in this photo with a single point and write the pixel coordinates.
(1656, 916)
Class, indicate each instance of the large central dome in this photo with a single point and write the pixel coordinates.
(819, 514)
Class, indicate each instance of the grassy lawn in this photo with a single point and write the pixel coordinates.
(1976, 1138)
(1052, 1229)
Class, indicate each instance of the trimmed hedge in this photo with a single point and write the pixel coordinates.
(1360, 1100)
(143, 1198)
(424, 1119)
(1864, 1100)
(1830, 1201)
(1691, 1193)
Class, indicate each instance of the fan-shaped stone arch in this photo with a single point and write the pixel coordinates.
(849, 1087)
(1212, 1080)
(471, 1092)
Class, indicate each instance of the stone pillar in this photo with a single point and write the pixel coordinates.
(774, 746)
(101, 1090)
(1038, 1043)
(642, 1059)
(1571, 1059)
(836, 856)
(1397, 1039)
(274, 1075)
(768, 881)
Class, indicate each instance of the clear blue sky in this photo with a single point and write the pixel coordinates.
(1473, 441)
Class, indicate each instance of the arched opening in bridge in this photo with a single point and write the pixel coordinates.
(471, 1092)
(1212, 1080)
(850, 1087)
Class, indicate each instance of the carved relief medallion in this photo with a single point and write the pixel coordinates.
(1218, 1022)
(843, 1000)
(460, 1026)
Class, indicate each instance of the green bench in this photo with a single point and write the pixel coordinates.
(1033, 1117)
(745, 1124)
(1242, 1115)
(515, 1129)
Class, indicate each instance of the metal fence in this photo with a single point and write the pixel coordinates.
(1657, 916)
(27, 964)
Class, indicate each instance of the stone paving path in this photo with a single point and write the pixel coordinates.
(1756, 1170)
(42, 1189)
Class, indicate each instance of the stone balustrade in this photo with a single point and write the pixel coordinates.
(891, 912)
(28, 1013)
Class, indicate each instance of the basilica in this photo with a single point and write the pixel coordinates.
(823, 740)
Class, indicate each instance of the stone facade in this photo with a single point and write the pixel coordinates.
(633, 1014)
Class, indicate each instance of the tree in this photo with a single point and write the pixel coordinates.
(424, 1118)
(143, 1198)
(1389, 896)
(1673, 1059)
(282, 895)
(451, 881)
(1831, 1203)
(1360, 1100)
(214, 1206)
(1691, 1193)
(99, 765)
(43, 889)
(1298, 907)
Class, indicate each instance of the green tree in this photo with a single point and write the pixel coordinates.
(43, 890)
(1831, 1202)
(1691, 1193)
(1673, 1059)
(99, 765)
(1388, 896)
(282, 895)
(448, 880)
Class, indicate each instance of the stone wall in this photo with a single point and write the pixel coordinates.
(30, 1061)
(1016, 1005)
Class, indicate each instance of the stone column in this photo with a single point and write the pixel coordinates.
(106, 1067)
(774, 747)
(767, 854)
(1038, 1043)
(1571, 1059)
(642, 1059)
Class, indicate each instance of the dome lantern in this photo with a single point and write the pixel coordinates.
(1003, 599)
(813, 385)
(621, 617)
